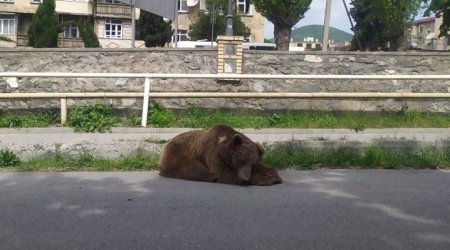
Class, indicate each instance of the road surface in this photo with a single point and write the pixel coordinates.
(321, 209)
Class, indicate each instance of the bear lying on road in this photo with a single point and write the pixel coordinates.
(218, 154)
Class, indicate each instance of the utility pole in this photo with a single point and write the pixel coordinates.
(326, 26)
(175, 38)
(229, 30)
(133, 23)
(351, 23)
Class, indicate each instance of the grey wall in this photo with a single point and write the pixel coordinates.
(204, 61)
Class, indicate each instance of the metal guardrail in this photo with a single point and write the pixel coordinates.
(148, 76)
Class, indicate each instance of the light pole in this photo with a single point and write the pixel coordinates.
(133, 24)
(213, 18)
(326, 26)
(229, 30)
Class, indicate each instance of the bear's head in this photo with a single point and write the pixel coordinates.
(243, 154)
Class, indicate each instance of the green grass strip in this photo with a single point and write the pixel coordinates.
(87, 162)
(282, 156)
(100, 118)
(291, 156)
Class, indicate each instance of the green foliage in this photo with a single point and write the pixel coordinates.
(368, 28)
(160, 116)
(202, 29)
(293, 155)
(41, 119)
(44, 28)
(153, 30)
(8, 158)
(6, 39)
(284, 14)
(379, 22)
(86, 28)
(441, 8)
(87, 162)
(288, 155)
(93, 118)
(358, 121)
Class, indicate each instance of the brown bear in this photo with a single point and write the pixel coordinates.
(218, 154)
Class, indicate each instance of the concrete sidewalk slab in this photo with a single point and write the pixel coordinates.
(32, 142)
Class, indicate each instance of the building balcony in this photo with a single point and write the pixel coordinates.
(70, 42)
(117, 10)
(22, 41)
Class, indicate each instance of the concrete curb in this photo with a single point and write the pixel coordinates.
(35, 142)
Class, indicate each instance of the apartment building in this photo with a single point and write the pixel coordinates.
(112, 21)
(188, 11)
(424, 35)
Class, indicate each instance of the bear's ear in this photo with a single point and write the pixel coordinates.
(237, 139)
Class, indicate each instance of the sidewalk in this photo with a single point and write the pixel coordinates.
(32, 142)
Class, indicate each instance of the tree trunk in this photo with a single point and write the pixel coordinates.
(282, 37)
(396, 43)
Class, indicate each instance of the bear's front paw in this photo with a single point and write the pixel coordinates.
(211, 178)
(276, 180)
(244, 183)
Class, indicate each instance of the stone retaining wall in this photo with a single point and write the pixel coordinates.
(204, 61)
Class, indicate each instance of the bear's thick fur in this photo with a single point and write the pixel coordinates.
(218, 154)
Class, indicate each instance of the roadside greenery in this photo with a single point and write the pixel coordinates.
(101, 118)
(281, 156)
(39, 119)
(87, 162)
(8, 159)
(292, 156)
(93, 118)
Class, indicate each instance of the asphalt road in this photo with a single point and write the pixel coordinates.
(323, 209)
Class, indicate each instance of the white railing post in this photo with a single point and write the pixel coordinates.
(63, 111)
(145, 103)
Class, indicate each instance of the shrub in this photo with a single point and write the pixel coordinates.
(93, 118)
(8, 158)
(44, 28)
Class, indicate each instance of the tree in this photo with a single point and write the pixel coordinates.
(284, 14)
(397, 16)
(87, 33)
(153, 30)
(44, 28)
(441, 8)
(386, 20)
(368, 28)
(201, 28)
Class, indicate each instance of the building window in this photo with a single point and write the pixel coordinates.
(420, 29)
(182, 5)
(243, 7)
(71, 31)
(428, 31)
(7, 25)
(36, 1)
(182, 35)
(8, 1)
(112, 1)
(420, 40)
(113, 28)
